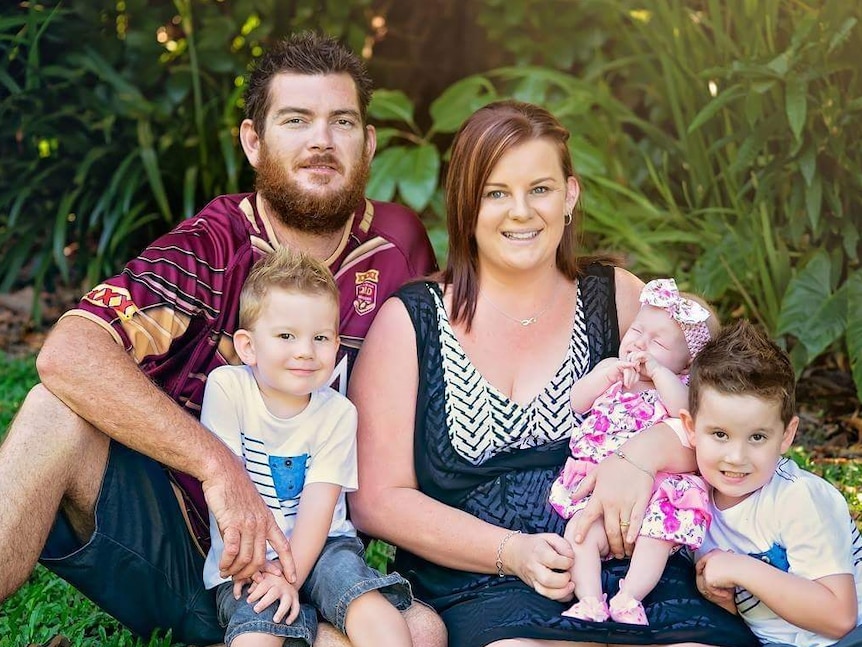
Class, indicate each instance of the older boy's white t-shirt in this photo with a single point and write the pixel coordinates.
(282, 455)
(797, 522)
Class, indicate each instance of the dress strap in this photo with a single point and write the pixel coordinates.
(600, 312)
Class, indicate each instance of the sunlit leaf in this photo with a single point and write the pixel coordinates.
(810, 310)
(384, 173)
(418, 174)
(391, 105)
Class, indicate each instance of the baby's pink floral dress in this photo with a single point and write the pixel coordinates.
(678, 510)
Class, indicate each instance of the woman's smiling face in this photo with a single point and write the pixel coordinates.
(522, 211)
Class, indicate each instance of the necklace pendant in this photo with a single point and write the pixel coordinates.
(528, 322)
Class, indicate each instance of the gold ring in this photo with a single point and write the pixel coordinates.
(624, 524)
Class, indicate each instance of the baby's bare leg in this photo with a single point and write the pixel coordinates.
(587, 568)
(648, 561)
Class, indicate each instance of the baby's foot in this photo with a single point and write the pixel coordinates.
(624, 608)
(589, 609)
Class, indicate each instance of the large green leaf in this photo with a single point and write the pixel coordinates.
(384, 173)
(810, 309)
(796, 105)
(418, 175)
(459, 101)
(391, 105)
(853, 292)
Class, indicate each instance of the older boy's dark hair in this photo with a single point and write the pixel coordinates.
(743, 360)
(303, 53)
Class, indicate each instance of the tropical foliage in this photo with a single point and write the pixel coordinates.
(714, 138)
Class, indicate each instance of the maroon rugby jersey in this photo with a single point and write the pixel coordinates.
(174, 308)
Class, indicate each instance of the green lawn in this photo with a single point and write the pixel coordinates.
(46, 605)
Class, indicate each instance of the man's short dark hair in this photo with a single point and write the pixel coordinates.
(303, 53)
(743, 360)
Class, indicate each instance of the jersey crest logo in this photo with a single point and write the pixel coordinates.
(366, 291)
(118, 299)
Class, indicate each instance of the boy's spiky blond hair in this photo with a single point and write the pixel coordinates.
(287, 270)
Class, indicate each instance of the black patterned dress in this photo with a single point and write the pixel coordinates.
(477, 450)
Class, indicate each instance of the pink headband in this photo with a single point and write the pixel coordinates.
(690, 315)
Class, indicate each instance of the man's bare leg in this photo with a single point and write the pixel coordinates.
(50, 458)
(426, 630)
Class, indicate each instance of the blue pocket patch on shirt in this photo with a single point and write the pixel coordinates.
(288, 475)
(775, 556)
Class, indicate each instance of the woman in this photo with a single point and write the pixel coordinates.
(463, 387)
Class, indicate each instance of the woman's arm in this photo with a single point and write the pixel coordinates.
(388, 503)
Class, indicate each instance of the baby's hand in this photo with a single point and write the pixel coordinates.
(268, 588)
(615, 370)
(646, 364)
(629, 374)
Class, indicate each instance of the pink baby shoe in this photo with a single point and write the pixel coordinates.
(589, 609)
(624, 608)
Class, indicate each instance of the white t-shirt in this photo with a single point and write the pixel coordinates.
(799, 523)
(318, 445)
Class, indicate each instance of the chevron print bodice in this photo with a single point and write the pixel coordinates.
(477, 450)
(482, 421)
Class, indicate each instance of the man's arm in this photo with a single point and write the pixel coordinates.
(82, 366)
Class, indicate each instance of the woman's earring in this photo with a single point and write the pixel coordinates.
(567, 219)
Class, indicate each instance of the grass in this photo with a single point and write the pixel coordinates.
(46, 605)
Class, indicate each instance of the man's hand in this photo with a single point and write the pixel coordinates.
(246, 524)
(267, 589)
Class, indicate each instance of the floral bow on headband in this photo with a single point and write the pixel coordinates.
(689, 314)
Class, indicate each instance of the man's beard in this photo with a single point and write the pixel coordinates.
(298, 208)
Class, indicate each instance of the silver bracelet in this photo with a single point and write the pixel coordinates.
(619, 453)
(499, 562)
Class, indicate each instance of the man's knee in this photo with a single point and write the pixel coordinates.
(329, 636)
(45, 418)
(426, 627)
(61, 452)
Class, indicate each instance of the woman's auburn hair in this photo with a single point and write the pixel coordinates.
(479, 144)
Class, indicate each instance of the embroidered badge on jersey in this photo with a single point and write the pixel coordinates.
(366, 291)
(109, 296)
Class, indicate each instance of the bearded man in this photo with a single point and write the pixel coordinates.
(106, 476)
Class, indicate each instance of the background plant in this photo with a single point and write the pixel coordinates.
(756, 103)
(712, 138)
(118, 119)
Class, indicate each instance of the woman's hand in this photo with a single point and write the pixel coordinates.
(620, 494)
(543, 562)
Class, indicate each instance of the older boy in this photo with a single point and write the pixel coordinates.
(782, 549)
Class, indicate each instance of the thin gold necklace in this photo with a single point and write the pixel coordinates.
(529, 321)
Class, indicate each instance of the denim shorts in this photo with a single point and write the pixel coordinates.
(141, 565)
(338, 578)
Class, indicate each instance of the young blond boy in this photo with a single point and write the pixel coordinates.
(782, 550)
(297, 439)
